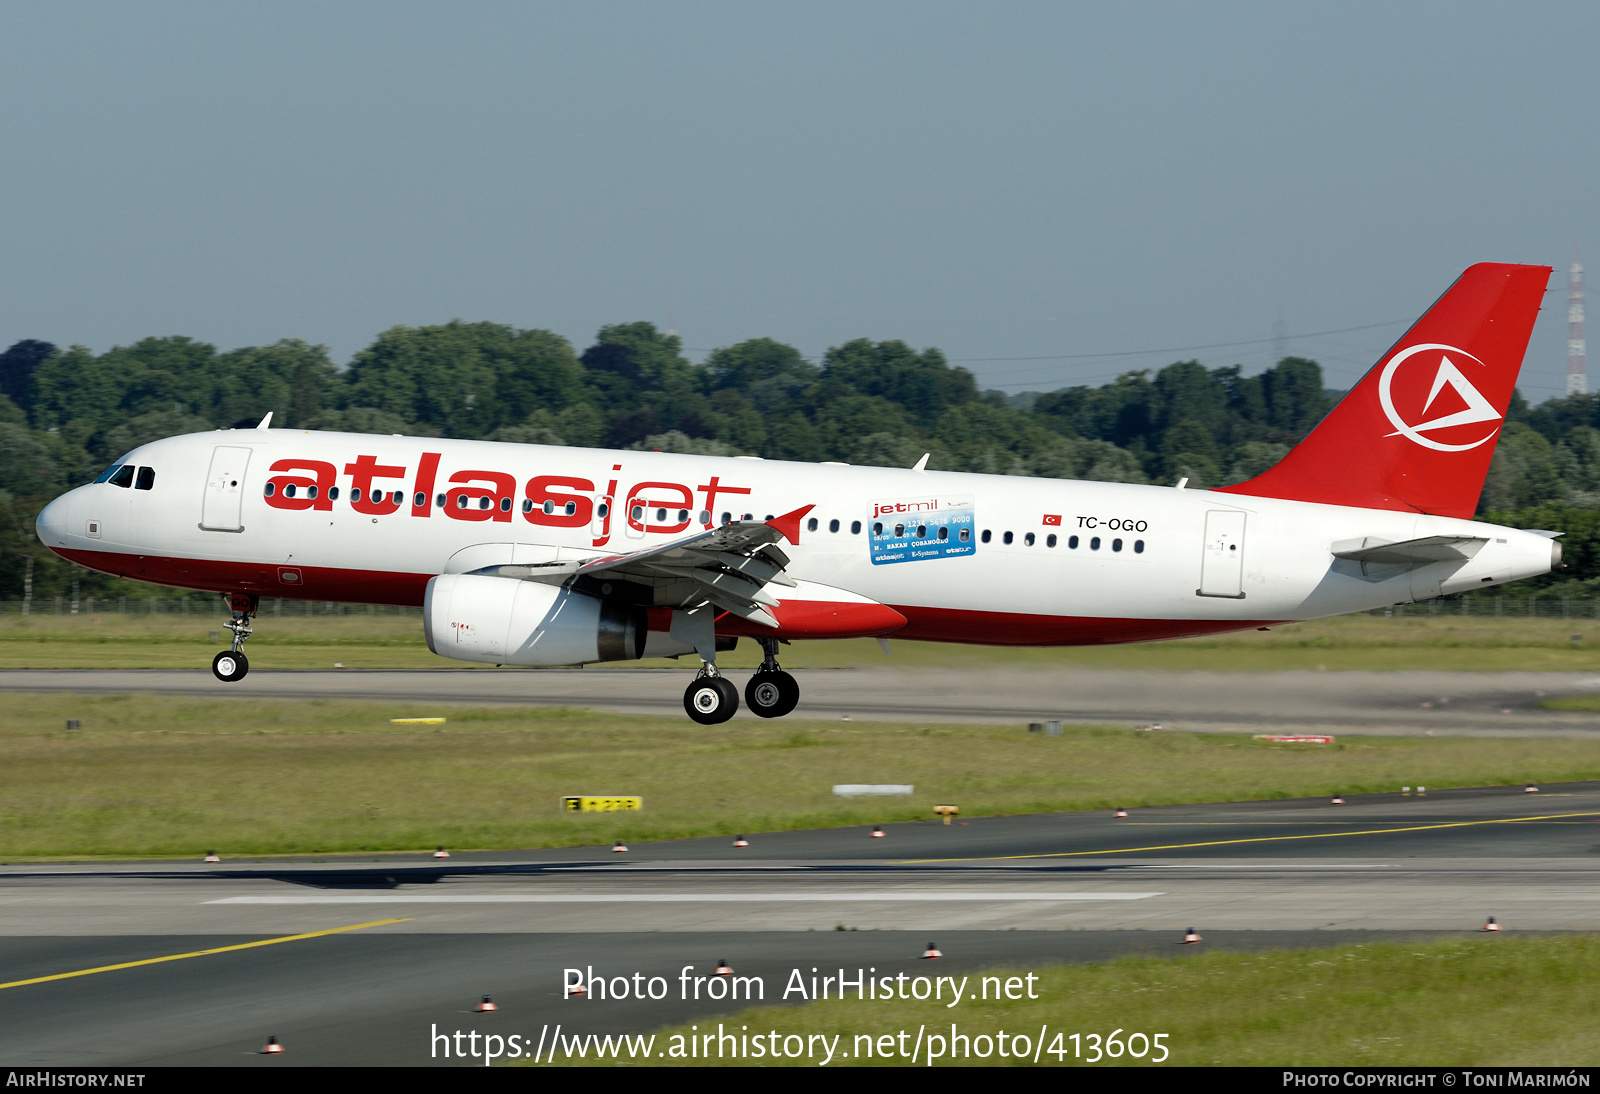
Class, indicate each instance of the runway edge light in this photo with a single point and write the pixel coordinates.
(740, 841)
(212, 856)
(619, 848)
(877, 831)
(931, 952)
(1491, 926)
(272, 1047)
(486, 1007)
(1120, 813)
(440, 852)
(1190, 937)
(723, 968)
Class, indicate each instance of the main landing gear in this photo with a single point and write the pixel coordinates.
(232, 664)
(771, 693)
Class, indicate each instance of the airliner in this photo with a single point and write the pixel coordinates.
(533, 555)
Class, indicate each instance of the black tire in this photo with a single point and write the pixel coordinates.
(772, 694)
(228, 666)
(711, 700)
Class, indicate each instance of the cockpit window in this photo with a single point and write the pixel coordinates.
(146, 479)
(123, 477)
(105, 476)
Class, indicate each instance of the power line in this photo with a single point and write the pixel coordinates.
(1179, 349)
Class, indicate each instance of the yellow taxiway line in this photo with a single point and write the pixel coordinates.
(1249, 839)
(202, 953)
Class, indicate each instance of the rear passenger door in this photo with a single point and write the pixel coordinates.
(223, 507)
(1222, 565)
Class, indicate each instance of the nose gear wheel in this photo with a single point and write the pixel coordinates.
(228, 666)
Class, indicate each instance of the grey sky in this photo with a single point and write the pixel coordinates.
(998, 180)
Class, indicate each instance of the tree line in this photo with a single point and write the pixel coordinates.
(65, 414)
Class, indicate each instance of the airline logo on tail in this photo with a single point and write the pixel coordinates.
(1467, 408)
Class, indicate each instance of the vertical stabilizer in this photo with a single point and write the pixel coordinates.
(1418, 431)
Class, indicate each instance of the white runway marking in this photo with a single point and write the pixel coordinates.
(666, 898)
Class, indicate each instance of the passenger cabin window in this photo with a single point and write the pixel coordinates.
(811, 525)
(355, 493)
(833, 526)
(1050, 540)
(1006, 539)
(333, 493)
(987, 535)
(1028, 539)
(1072, 541)
(146, 479)
(123, 477)
(855, 528)
(1094, 543)
(1138, 546)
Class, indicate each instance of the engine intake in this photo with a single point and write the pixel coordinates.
(506, 621)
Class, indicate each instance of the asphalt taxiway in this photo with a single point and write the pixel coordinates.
(1388, 703)
(358, 960)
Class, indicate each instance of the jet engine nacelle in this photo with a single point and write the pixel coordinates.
(506, 621)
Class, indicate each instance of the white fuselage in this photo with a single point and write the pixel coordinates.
(1127, 562)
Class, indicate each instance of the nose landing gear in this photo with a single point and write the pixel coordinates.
(771, 692)
(231, 665)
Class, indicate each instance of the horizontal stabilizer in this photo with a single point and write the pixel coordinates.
(1410, 552)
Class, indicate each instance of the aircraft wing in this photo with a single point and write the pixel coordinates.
(728, 567)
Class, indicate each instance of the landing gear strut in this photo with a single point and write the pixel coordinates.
(711, 698)
(232, 664)
(771, 692)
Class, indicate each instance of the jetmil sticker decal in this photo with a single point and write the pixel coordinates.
(917, 529)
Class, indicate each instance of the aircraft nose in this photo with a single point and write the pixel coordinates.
(53, 520)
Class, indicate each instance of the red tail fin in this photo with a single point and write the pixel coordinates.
(1418, 431)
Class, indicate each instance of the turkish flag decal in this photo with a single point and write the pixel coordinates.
(1052, 520)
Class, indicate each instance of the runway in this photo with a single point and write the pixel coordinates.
(1386, 703)
(1019, 892)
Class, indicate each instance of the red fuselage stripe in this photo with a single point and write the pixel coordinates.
(921, 623)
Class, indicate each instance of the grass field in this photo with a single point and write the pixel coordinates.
(1479, 1002)
(361, 641)
(152, 775)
